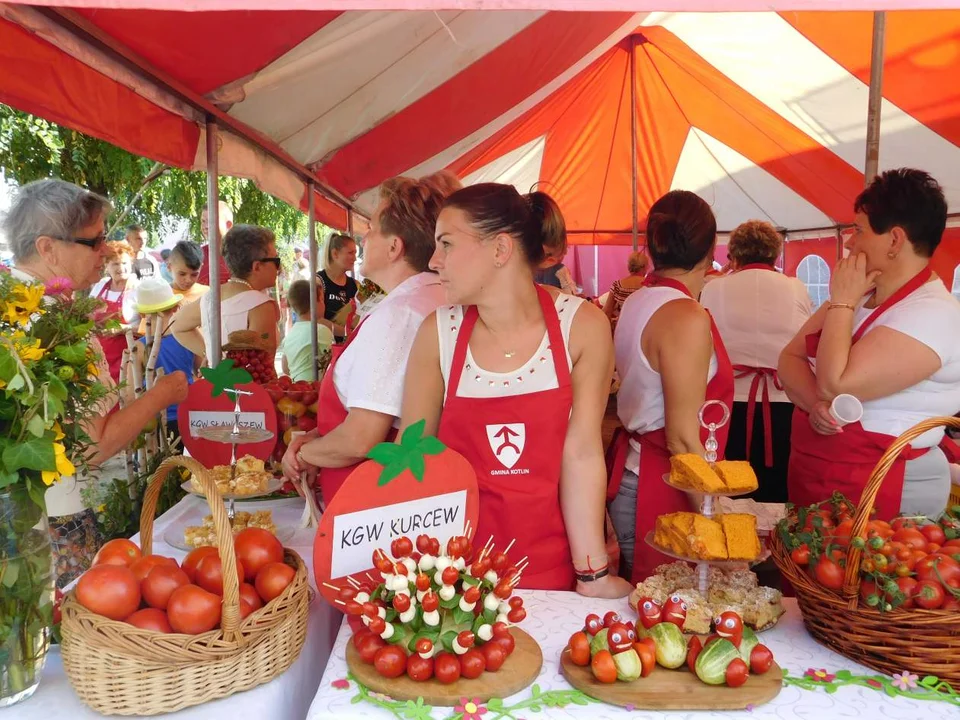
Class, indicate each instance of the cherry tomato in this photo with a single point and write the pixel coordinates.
(359, 636)
(500, 561)
(381, 562)
(932, 548)
(390, 661)
(423, 544)
(902, 570)
(829, 574)
(694, 647)
(193, 610)
(610, 618)
(158, 586)
(423, 582)
(903, 522)
(110, 590)
(401, 602)
(430, 602)
(801, 555)
(736, 673)
(761, 659)
(273, 579)
(118, 552)
(500, 628)
(480, 567)
(579, 647)
(150, 619)
(472, 594)
(256, 547)
(450, 575)
(841, 533)
(401, 547)
(908, 586)
(516, 615)
(494, 656)
(466, 639)
(929, 594)
(929, 567)
(378, 625)
(951, 603)
(419, 669)
(648, 656)
(369, 646)
(210, 574)
(603, 667)
(472, 664)
(434, 546)
(446, 668)
(868, 588)
(507, 643)
(904, 553)
(189, 565)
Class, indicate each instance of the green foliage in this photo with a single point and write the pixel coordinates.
(32, 148)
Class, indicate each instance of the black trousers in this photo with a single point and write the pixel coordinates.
(772, 480)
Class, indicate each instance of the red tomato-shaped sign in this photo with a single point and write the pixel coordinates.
(375, 505)
(201, 409)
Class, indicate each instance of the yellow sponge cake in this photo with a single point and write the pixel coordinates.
(736, 475)
(708, 542)
(740, 531)
(692, 472)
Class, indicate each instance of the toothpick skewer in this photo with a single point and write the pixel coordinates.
(466, 529)
(522, 566)
(372, 580)
(510, 545)
(353, 582)
(522, 560)
(339, 602)
(332, 587)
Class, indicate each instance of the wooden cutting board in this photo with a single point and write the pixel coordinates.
(518, 672)
(674, 689)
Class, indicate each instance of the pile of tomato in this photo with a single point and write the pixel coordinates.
(153, 592)
(909, 562)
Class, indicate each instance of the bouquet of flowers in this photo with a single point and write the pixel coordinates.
(48, 384)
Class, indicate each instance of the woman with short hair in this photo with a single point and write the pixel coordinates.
(117, 292)
(625, 287)
(671, 360)
(758, 310)
(250, 252)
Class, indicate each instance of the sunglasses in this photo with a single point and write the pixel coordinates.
(94, 243)
(274, 260)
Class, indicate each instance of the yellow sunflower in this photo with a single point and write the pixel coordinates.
(25, 300)
(64, 466)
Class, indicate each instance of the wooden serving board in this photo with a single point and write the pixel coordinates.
(674, 689)
(518, 672)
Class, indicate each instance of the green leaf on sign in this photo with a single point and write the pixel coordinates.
(75, 354)
(35, 426)
(889, 690)
(32, 455)
(417, 467)
(225, 377)
(843, 675)
(430, 446)
(412, 435)
(391, 471)
(385, 453)
(930, 681)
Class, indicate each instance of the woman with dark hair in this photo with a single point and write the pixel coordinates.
(338, 287)
(758, 311)
(362, 389)
(671, 360)
(250, 252)
(890, 336)
(514, 376)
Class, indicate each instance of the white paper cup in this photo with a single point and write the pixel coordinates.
(846, 409)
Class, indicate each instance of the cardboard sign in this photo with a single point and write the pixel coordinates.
(368, 513)
(201, 409)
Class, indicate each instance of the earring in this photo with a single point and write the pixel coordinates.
(892, 255)
(498, 264)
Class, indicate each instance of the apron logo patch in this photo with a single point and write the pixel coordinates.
(506, 442)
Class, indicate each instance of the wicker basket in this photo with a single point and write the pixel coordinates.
(925, 642)
(118, 669)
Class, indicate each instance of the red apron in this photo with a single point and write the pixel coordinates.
(760, 375)
(515, 444)
(820, 464)
(655, 497)
(330, 414)
(113, 345)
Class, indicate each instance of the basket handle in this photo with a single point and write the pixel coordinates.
(851, 579)
(230, 613)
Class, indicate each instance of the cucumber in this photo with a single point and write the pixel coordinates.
(671, 646)
(713, 660)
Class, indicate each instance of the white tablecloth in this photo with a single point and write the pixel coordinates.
(285, 698)
(553, 616)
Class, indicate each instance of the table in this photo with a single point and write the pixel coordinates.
(553, 616)
(286, 697)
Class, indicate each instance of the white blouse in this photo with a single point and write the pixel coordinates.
(537, 374)
(757, 313)
(640, 400)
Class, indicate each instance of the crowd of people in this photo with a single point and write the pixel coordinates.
(483, 335)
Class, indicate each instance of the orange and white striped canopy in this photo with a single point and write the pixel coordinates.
(761, 113)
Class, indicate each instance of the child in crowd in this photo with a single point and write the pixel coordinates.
(185, 262)
(296, 350)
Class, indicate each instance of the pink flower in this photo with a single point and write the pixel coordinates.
(341, 684)
(905, 680)
(55, 287)
(471, 709)
(820, 675)
(629, 708)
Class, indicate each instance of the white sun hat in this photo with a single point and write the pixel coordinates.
(154, 295)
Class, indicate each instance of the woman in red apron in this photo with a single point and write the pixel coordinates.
(671, 360)
(362, 389)
(114, 290)
(758, 310)
(888, 336)
(515, 377)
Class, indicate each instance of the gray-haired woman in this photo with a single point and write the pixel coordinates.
(56, 229)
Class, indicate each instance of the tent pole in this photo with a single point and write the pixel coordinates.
(213, 236)
(876, 97)
(633, 134)
(312, 234)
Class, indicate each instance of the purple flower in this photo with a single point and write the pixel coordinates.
(55, 287)
(820, 675)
